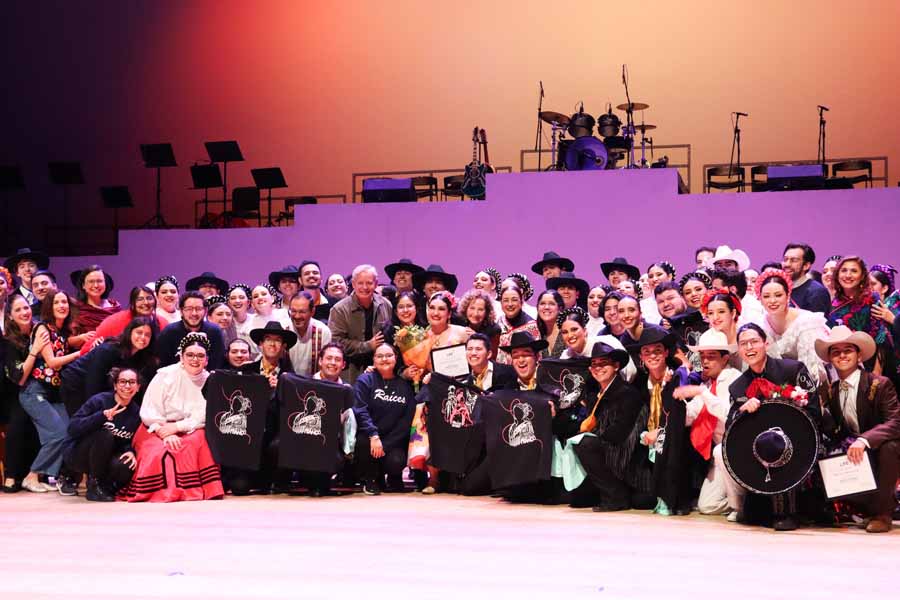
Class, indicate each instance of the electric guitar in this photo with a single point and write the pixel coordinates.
(474, 180)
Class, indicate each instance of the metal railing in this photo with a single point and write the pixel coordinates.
(282, 211)
(878, 174)
(358, 178)
(682, 164)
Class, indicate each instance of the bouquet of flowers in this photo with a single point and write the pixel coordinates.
(414, 345)
(763, 389)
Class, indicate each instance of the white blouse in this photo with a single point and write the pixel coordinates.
(798, 341)
(173, 396)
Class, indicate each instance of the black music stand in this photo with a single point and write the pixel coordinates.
(244, 203)
(224, 152)
(205, 177)
(116, 197)
(11, 179)
(65, 174)
(268, 179)
(157, 156)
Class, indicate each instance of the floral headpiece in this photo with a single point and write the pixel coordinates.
(888, 270)
(576, 313)
(166, 279)
(768, 274)
(698, 275)
(195, 337)
(4, 272)
(524, 285)
(704, 306)
(446, 295)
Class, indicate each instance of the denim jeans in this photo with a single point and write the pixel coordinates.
(51, 421)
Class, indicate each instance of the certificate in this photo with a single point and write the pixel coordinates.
(450, 361)
(843, 478)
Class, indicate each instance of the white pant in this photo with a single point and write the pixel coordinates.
(734, 492)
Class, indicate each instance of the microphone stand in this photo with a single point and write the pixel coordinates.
(540, 127)
(629, 123)
(735, 142)
(820, 155)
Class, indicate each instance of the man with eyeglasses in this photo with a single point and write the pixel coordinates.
(193, 319)
(312, 334)
(863, 417)
(807, 293)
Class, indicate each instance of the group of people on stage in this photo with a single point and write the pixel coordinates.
(111, 396)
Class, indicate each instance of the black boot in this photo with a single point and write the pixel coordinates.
(96, 493)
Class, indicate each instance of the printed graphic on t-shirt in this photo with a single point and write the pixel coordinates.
(458, 406)
(234, 420)
(309, 420)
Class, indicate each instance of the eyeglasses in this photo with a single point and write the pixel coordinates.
(751, 343)
(193, 309)
(383, 356)
(194, 356)
(127, 382)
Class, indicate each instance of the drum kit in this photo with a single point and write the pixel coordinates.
(613, 149)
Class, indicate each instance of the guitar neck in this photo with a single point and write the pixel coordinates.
(483, 135)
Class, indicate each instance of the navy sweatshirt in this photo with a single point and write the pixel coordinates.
(90, 418)
(384, 408)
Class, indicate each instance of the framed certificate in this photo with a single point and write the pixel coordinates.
(450, 361)
(843, 478)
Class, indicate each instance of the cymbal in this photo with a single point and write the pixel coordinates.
(642, 127)
(634, 106)
(551, 117)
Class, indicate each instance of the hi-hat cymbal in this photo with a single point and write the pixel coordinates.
(552, 117)
(634, 106)
(643, 127)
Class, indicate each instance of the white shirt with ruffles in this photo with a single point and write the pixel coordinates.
(173, 396)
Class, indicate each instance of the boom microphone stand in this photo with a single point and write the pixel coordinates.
(820, 155)
(736, 142)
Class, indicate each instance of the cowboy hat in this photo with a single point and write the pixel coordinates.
(713, 340)
(194, 283)
(274, 328)
(39, 258)
(77, 279)
(552, 258)
(449, 279)
(523, 339)
(602, 350)
(844, 335)
(653, 334)
(570, 279)
(404, 264)
(620, 264)
(772, 450)
(726, 253)
(286, 271)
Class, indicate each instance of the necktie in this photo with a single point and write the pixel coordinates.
(655, 407)
(848, 408)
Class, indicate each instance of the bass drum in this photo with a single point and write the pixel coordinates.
(586, 154)
(581, 125)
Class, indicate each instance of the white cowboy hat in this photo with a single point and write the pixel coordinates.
(713, 340)
(726, 253)
(844, 335)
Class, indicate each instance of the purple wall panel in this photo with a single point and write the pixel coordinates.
(590, 216)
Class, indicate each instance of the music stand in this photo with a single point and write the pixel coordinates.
(205, 177)
(116, 197)
(65, 174)
(224, 152)
(157, 156)
(11, 179)
(267, 179)
(245, 202)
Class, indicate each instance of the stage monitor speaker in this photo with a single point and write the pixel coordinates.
(388, 190)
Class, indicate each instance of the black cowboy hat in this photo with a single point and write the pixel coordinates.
(404, 264)
(620, 264)
(654, 334)
(552, 258)
(286, 271)
(274, 328)
(772, 450)
(40, 259)
(602, 350)
(449, 279)
(77, 279)
(523, 339)
(194, 283)
(571, 279)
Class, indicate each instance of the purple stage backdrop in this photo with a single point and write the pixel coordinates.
(590, 216)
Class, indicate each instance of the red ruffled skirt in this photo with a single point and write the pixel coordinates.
(166, 476)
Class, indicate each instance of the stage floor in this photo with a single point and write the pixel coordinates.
(413, 546)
